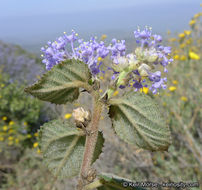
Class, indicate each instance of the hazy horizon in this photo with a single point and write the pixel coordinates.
(33, 24)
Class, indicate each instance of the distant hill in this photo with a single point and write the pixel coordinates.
(18, 63)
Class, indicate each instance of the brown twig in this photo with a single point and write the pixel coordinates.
(86, 172)
(193, 118)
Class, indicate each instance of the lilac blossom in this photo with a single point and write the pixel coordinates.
(90, 52)
(139, 66)
(143, 63)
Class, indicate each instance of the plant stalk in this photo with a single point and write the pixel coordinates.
(91, 141)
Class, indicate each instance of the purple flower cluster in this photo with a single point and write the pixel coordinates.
(90, 52)
(153, 53)
(55, 52)
(140, 66)
(117, 49)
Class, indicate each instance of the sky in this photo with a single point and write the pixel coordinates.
(31, 23)
(11, 8)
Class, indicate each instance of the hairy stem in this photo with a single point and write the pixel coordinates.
(91, 141)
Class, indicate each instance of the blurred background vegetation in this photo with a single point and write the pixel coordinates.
(21, 116)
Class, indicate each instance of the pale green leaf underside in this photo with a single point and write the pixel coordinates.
(137, 120)
(62, 145)
(61, 84)
(112, 182)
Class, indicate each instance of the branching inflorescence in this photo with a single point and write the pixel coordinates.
(140, 67)
(135, 117)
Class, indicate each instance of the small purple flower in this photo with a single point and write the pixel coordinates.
(157, 38)
(155, 77)
(89, 52)
(144, 34)
(137, 85)
(71, 38)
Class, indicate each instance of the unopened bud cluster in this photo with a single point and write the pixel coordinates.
(81, 116)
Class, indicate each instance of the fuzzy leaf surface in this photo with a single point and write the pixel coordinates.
(61, 84)
(62, 145)
(137, 120)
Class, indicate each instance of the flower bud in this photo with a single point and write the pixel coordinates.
(122, 64)
(133, 63)
(152, 58)
(138, 52)
(143, 69)
(81, 116)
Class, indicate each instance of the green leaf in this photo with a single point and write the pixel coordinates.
(137, 120)
(61, 84)
(112, 182)
(62, 145)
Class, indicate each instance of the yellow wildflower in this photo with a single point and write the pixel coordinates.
(29, 136)
(1, 139)
(103, 37)
(192, 22)
(101, 77)
(10, 131)
(5, 128)
(38, 151)
(25, 123)
(197, 15)
(144, 90)
(189, 41)
(175, 82)
(187, 32)
(10, 138)
(68, 115)
(36, 134)
(100, 90)
(183, 58)
(182, 45)
(35, 144)
(4, 118)
(172, 88)
(194, 56)
(183, 98)
(172, 39)
(181, 35)
(16, 141)
(176, 57)
(99, 58)
(115, 93)
(11, 122)
(2, 85)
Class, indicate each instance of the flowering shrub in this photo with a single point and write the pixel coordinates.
(70, 147)
(19, 116)
(182, 101)
(19, 64)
